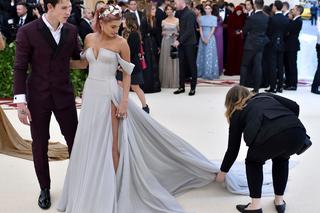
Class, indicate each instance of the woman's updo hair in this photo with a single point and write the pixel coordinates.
(106, 14)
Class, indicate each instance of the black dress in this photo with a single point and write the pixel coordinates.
(134, 45)
(151, 73)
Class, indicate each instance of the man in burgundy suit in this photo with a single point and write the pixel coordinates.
(47, 44)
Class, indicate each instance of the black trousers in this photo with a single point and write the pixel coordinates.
(314, 19)
(276, 72)
(316, 79)
(187, 64)
(291, 69)
(251, 58)
(41, 116)
(279, 148)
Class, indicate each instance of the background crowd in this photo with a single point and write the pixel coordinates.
(204, 40)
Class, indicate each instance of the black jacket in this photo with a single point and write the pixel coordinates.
(254, 31)
(277, 29)
(160, 16)
(84, 29)
(292, 42)
(264, 116)
(187, 27)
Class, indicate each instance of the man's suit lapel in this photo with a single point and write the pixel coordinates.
(64, 36)
(45, 32)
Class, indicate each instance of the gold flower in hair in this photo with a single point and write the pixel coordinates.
(113, 10)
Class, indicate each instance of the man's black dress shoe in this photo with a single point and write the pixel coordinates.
(279, 90)
(146, 109)
(290, 88)
(242, 208)
(271, 90)
(315, 91)
(280, 208)
(192, 92)
(180, 90)
(44, 200)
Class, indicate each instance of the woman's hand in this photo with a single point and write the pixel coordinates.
(221, 176)
(122, 110)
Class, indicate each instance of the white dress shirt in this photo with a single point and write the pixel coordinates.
(296, 17)
(22, 19)
(222, 13)
(56, 34)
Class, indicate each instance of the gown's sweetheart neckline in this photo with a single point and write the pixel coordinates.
(96, 57)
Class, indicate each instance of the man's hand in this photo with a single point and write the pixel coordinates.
(176, 44)
(24, 114)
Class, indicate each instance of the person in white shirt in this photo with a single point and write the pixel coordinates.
(286, 9)
(23, 16)
(249, 7)
(133, 8)
(44, 47)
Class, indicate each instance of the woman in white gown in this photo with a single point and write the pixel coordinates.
(122, 160)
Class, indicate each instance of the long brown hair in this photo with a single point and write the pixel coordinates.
(150, 19)
(236, 99)
(131, 25)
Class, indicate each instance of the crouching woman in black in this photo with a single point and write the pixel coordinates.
(271, 130)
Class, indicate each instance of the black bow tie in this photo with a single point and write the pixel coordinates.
(221, 10)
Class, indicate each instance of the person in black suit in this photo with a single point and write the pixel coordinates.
(187, 46)
(292, 45)
(314, 14)
(286, 8)
(249, 7)
(23, 16)
(160, 16)
(272, 130)
(84, 27)
(254, 32)
(277, 29)
(133, 8)
(316, 79)
(224, 13)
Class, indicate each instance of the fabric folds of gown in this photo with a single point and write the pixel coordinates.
(13, 145)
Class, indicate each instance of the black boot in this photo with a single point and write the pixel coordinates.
(146, 109)
(44, 200)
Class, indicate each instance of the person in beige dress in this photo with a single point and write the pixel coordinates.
(168, 67)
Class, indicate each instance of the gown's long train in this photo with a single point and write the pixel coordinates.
(155, 164)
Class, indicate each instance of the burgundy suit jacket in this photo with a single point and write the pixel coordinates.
(49, 76)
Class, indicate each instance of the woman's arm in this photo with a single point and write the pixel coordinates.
(126, 79)
(235, 133)
(82, 63)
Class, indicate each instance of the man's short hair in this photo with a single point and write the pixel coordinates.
(52, 2)
(286, 4)
(259, 4)
(300, 9)
(278, 4)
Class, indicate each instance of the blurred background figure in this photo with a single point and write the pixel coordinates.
(168, 66)
(235, 41)
(85, 24)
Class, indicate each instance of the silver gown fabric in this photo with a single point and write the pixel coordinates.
(155, 164)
